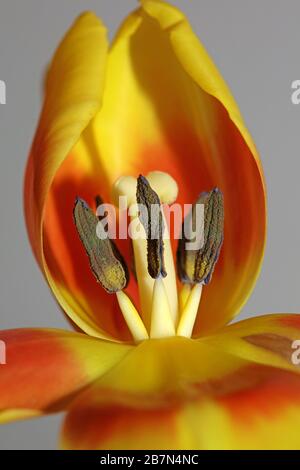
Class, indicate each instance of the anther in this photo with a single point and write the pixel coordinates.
(105, 259)
(196, 265)
(151, 218)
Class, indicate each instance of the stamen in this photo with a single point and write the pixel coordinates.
(107, 264)
(213, 236)
(189, 313)
(132, 317)
(105, 259)
(152, 221)
(197, 265)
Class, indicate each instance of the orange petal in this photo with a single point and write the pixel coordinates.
(45, 369)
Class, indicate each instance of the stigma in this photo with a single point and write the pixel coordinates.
(167, 307)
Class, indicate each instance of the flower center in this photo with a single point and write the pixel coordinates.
(164, 312)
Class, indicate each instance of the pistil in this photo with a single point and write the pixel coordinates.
(167, 190)
(162, 324)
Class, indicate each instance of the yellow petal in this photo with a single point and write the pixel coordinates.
(195, 395)
(267, 340)
(169, 371)
(265, 414)
(173, 112)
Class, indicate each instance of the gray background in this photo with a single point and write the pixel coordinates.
(256, 46)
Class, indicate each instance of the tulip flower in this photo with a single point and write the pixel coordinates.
(152, 362)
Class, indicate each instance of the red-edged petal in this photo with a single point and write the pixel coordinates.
(46, 369)
(73, 95)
